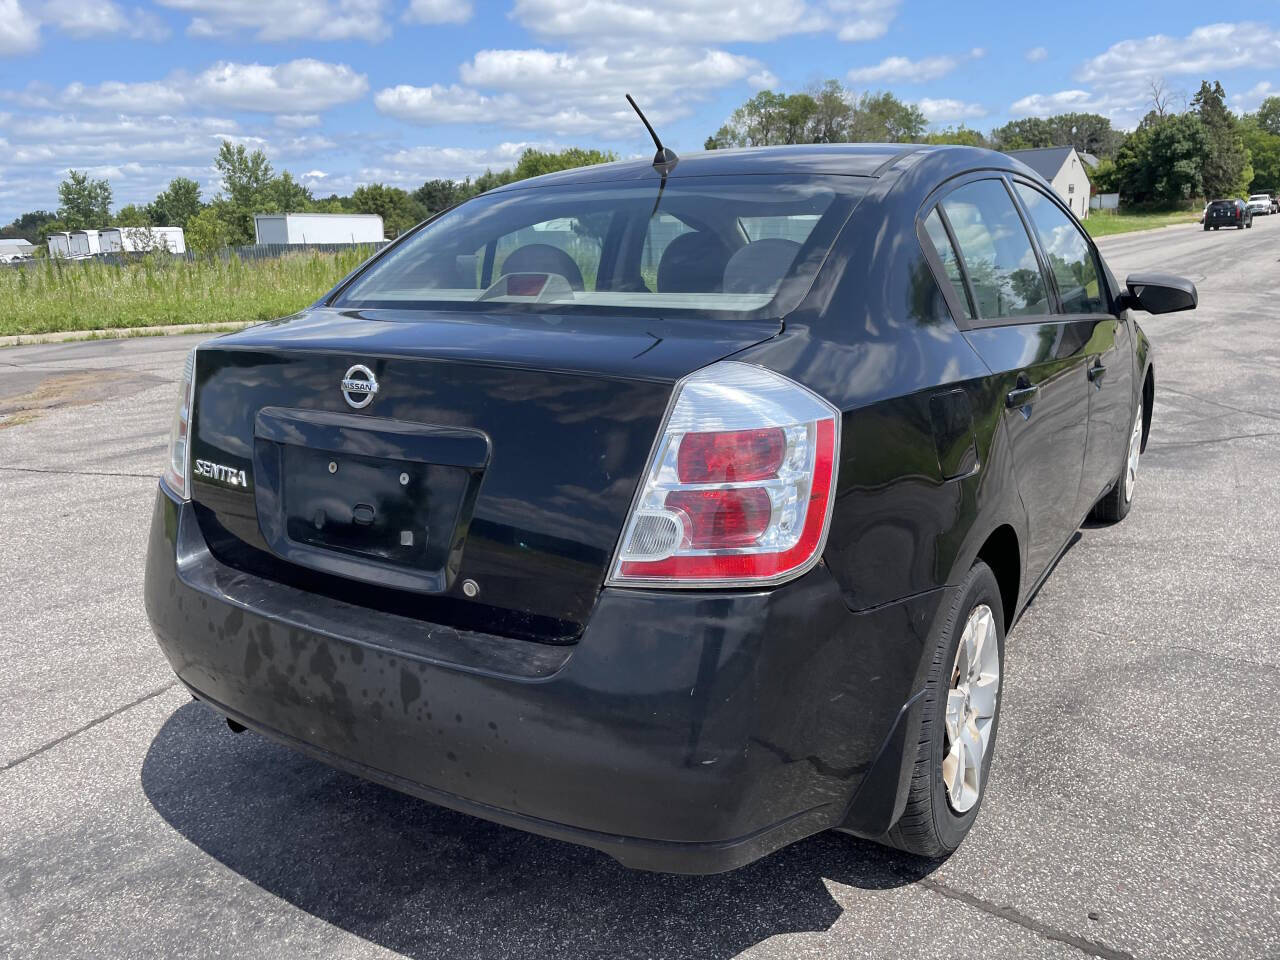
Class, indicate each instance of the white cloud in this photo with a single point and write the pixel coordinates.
(565, 93)
(298, 121)
(19, 31)
(1037, 54)
(275, 20)
(1046, 104)
(299, 85)
(1251, 98)
(1129, 65)
(438, 11)
(622, 22)
(89, 18)
(862, 20)
(919, 71)
(945, 109)
(157, 97)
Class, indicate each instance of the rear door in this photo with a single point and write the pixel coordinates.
(1038, 358)
(1083, 299)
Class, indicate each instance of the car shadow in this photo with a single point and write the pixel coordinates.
(427, 882)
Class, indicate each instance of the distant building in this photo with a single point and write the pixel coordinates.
(1065, 170)
(142, 240)
(318, 227)
(60, 244)
(15, 248)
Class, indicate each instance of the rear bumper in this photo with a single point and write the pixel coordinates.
(684, 732)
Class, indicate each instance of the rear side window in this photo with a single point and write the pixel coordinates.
(1068, 253)
(947, 254)
(997, 253)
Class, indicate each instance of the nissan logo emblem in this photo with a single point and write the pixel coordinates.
(359, 386)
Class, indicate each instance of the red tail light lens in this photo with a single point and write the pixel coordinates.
(723, 518)
(740, 487)
(731, 457)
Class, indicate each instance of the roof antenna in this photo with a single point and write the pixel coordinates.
(665, 160)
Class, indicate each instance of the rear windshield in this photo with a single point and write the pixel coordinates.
(1222, 205)
(722, 246)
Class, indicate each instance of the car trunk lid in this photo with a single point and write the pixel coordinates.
(483, 483)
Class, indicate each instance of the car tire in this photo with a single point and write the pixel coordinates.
(942, 807)
(1115, 506)
(1206, 228)
(1249, 225)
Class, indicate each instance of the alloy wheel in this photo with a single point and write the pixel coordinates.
(1135, 453)
(971, 708)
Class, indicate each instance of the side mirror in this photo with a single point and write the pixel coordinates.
(1159, 293)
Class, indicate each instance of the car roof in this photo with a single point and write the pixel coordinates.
(844, 159)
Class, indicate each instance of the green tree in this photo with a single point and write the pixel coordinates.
(206, 232)
(534, 163)
(1028, 133)
(1264, 155)
(828, 113)
(398, 210)
(131, 215)
(33, 226)
(1162, 161)
(176, 204)
(1268, 115)
(85, 204)
(961, 135)
(883, 118)
(437, 195)
(245, 178)
(283, 194)
(1224, 170)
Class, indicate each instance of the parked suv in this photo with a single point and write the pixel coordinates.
(679, 510)
(1260, 203)
(1228, 213)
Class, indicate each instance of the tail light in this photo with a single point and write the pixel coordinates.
(177, 474)
(740, 485)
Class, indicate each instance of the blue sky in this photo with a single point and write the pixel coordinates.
(343, 92)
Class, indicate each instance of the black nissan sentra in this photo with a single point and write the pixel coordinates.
(676, 509)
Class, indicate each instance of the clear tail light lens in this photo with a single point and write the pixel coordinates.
(740, 487)
(177, 475)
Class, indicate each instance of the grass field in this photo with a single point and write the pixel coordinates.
(1102, 224)
(52, 296)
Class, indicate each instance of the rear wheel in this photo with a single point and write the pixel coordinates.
(958, 725)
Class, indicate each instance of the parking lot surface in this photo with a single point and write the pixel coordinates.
(1134, 801)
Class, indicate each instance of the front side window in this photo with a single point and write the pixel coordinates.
(997, 253)
(704, 245)
(1068, 253)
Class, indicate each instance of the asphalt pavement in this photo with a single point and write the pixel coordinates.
(1134, 804)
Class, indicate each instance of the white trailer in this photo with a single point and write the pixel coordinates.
(318, 227)
(84, 243)
(142, 240)
(60, 245)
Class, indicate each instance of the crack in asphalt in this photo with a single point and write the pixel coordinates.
(1201, 443)
(1218, 403)
(87, 726)
(1005, 912)
(81, 473)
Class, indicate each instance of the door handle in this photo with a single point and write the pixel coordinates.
(1023, 395)
(1097, 371)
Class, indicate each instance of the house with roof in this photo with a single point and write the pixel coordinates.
(1066, 171)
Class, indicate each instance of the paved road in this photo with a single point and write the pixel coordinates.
(1135, 794)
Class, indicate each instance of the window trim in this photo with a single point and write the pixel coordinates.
(1103, 280)
(976, 322)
